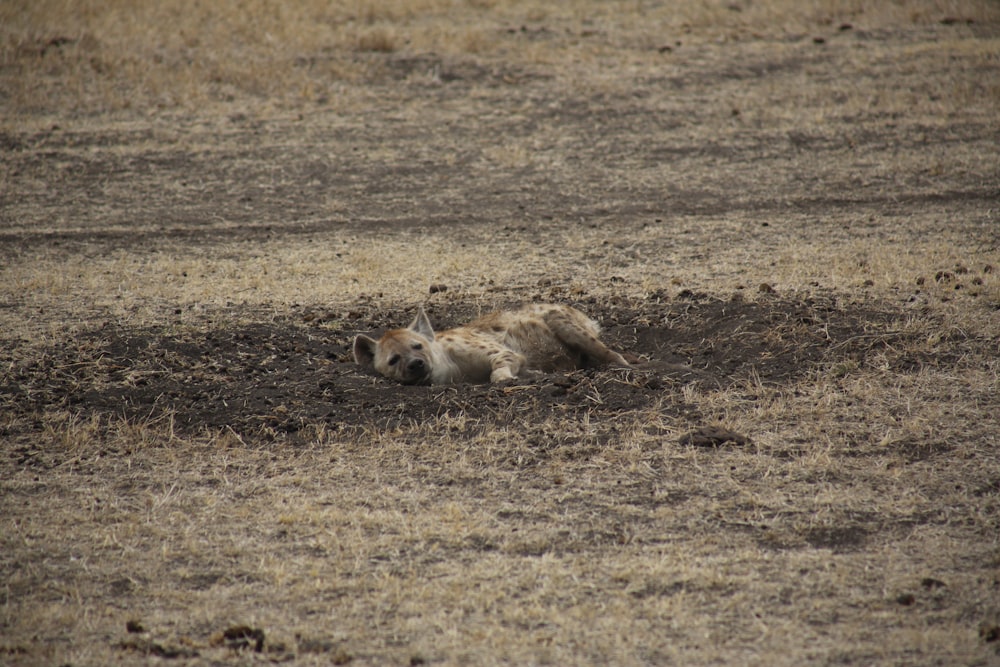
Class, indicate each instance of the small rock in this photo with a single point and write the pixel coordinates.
(713, 436)
(240, 637)
(150, 647)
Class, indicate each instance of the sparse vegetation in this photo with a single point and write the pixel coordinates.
(789, 210)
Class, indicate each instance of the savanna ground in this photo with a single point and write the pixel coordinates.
(788, 210)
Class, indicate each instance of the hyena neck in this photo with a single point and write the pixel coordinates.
(444, 370)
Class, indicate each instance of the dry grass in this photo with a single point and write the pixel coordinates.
(309, 170)
(642, 551)
(88, 57)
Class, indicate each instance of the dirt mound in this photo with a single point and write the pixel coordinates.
(274, 378)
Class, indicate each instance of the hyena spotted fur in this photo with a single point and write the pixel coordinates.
(497, 347)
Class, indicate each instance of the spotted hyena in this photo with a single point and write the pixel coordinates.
(494, 348)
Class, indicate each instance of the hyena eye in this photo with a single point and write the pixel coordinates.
(417, 346)
(393, 359)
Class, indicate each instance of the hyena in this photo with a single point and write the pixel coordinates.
(497, 347)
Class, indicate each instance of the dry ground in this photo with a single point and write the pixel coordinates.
(788, 210)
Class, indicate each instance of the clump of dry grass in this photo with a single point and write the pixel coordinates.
(381, 40)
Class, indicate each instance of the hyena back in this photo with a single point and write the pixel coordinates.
(494, 348)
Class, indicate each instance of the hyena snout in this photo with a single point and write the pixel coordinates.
(414, 369)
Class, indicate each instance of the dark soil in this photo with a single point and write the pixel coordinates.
(276, 377)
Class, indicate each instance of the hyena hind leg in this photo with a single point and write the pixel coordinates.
(579, 333)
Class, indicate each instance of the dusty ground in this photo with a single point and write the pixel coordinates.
(789, 214)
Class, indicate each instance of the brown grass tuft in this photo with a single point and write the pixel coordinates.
(379, 40)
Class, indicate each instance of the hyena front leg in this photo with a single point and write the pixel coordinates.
(579, 333)
(506, 364)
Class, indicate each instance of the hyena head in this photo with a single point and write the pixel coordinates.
(403, 355)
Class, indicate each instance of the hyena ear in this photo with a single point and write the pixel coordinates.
(422, 325)
(364, 350)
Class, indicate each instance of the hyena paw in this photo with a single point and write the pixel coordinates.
(620, 360)
(501, 374)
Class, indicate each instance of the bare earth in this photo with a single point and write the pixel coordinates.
(789, 215)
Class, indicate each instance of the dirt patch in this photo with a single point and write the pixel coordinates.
(280, 376)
